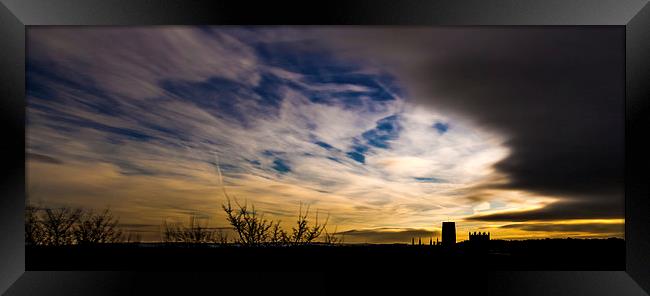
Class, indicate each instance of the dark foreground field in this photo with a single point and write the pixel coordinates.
(566, 254)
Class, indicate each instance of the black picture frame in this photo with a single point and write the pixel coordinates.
(633, 15)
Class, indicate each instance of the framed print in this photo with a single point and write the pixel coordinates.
(155, 147)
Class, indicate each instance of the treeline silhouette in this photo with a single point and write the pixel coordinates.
(66, 226)
(53, 237)
(75, 226)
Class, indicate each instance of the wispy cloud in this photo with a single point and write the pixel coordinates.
(139, 118)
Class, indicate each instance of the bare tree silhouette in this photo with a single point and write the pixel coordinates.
(278, 235)
(255, 230)
(331, 238)
(34, 231)
(97, 228)
(251, 228)
(58, 226)
(302, 232)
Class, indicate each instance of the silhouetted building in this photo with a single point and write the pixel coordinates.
(479, 240)
(478, 236)
(448, 233)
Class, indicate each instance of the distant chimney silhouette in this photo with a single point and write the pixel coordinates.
(448, 233)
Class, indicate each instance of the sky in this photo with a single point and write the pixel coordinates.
(384, 131)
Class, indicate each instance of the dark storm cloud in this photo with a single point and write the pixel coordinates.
(586, 227)
(555, 94)
(579, 209)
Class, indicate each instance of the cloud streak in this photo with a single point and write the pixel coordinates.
(384, 236)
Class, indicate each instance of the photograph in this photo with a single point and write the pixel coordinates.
(366, 147)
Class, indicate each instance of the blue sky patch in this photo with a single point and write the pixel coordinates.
(221, 97)
(321, 67)
(358, 146)
(334, 159)
(269, 90)
(428, 180)
(41, 76)
(441, 127)
(325, 145)
(387, 129)
(271, 153)
(304, 57)
(358, 157)
(281, 166)
(116, 132)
